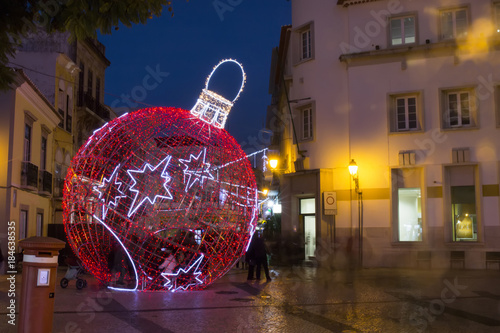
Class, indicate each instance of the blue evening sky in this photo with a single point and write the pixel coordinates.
(187, 47)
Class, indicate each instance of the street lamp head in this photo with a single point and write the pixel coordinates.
(273, 163)
(265, 192)
(353, 168)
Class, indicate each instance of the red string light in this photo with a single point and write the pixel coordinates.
(159, 185)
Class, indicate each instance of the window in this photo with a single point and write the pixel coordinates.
(463, 206)
(454, 23)
(69, 114)
(496, 16)
(27, 142)
(462, 202)
(61, 99)
(407, 204)
(43, 154)
(23, 223)
(65, 107)
(405, 112)
(410, 214)
(305, 126)
(304, 43)
(81, 79)
(307, 123)
(39, 224)
(406, 109)
(58, 181)
(89, 82)
(459, 108)
(403, 30)
(308, 206)
(98, 89)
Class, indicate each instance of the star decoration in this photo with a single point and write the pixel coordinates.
(106, 191)
(192, 279)
(149, 191)
(195, 170)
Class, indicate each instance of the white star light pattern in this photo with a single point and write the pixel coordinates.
(104, 190)
(171, 278)
(176, 170)
(149, 192)
(195, 171)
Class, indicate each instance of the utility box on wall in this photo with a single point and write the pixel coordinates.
(330, 203)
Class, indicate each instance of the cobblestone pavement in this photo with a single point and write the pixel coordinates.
(299, 299)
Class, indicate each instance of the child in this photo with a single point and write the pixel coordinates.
(169, 264)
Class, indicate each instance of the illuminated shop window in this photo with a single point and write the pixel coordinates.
(461, 202)
(407, 222)
(463, 207)
(409, 214)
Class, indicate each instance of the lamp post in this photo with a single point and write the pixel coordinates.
(353, 170)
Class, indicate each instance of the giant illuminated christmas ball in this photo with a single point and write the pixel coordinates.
(161, 198)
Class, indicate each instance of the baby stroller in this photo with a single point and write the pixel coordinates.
(75, 271)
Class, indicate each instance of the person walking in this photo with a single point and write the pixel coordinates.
(256, 257)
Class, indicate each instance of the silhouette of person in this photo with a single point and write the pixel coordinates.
(257, 258)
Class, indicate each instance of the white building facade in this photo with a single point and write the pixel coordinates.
(409, 90)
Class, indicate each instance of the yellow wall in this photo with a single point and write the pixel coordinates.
(34, 202)
(31, 199)
(22, 104)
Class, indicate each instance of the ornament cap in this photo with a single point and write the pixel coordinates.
(211, 107)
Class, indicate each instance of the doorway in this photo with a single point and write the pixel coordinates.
(308, 214)
(310, 236)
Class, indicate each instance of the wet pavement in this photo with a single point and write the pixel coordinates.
(298, 299)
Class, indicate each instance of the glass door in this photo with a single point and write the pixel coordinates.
(310, 236)
(308, 214)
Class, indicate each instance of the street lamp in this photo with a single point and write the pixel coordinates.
(353, 170)
(273, 163)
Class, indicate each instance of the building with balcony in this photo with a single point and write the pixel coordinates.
(71, 77)
(409, 92)
(91, 111)
(28, 121)
(79, 97)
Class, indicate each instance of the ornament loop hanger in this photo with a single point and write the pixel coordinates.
(242, 73)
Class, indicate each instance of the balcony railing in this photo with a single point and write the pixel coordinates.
(29, 175)
(45, 182)
(85, 99)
